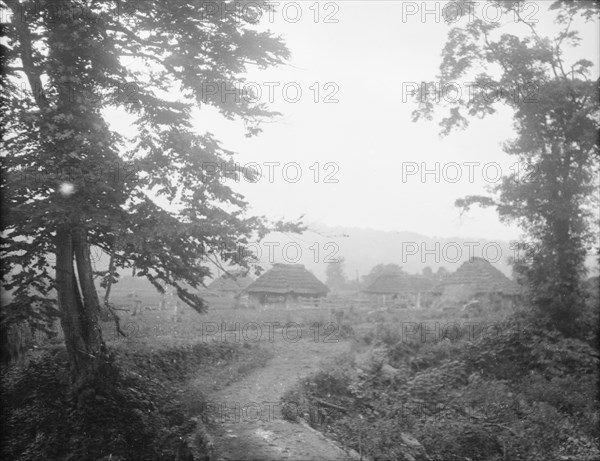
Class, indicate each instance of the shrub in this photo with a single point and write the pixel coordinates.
(526, 394)
(143, 417)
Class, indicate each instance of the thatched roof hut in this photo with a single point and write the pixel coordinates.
(400, 287)
(478, 280)
(285, 283)
(478, 277)
(230, 284)
(399, 284)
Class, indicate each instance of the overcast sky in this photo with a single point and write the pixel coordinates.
(362, 140)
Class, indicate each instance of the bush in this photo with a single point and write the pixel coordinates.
(526, 394)
(143, 417)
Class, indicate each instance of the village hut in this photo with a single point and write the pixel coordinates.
(230, 285)
(477, 281)
(399, 289)
(285, 285)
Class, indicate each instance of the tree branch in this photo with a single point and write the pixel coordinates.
(26, 50)
(133, 36)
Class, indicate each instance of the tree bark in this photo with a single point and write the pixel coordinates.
(111, 268)
(91, 303)
(67, 301)
(91, 365)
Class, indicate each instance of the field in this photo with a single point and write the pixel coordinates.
(225, 321)
(300, 342)
(356, 380)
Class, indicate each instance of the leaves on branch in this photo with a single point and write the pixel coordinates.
(63, 164)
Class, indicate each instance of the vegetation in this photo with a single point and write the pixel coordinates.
(556, 121)
(526, 394)
(151, 414)
(335, 277)
(70, 181)
(529, 393)
(381, 269)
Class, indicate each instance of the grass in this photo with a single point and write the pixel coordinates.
(162, 325)
(500, 391)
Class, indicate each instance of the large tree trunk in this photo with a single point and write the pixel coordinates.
(90, 362)
(111, 269)
(91, 303)
(558, 271)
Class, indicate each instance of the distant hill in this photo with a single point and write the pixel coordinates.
(364, 248)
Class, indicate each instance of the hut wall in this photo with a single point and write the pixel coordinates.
(283, 301)
(273, 301)
(229, 294)
(458, 293)
(255, 300)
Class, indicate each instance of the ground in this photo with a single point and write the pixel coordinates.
(258, 431)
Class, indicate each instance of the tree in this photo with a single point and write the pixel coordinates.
(441, 273)
(556, 115)
(381, 269)
(71, 182)
(335, 277)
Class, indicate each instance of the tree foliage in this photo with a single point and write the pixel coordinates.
(381, 269)
(335, 276)
(556, 120)
(70, 180)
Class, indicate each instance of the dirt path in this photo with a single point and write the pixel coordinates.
(247, 414)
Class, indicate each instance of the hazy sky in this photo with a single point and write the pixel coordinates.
(367, 137)
(362, 140)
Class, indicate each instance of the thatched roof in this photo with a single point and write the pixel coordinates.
(480, 277)
(288, 278)
(399, 283)
(232, 282)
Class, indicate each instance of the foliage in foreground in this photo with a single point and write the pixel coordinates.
(529, 396)
(144, 418)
